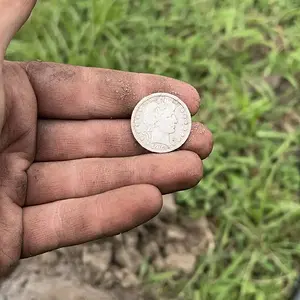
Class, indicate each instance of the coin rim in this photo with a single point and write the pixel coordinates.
(146, 98)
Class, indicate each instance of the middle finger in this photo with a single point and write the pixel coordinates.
(65, 140)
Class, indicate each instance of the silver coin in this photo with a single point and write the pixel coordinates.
(161, 122)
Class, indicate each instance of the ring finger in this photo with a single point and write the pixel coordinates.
(52, 181)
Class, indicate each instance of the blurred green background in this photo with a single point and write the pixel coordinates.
(244, 58)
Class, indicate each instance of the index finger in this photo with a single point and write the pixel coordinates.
(75, 92)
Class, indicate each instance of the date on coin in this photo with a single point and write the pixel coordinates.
(161, 122)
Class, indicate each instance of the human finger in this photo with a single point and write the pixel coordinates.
(75, 92)
(13, 14)
(65, 140)
(75, 221)
(52, 181)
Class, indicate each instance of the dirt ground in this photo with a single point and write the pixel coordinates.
(109, 269)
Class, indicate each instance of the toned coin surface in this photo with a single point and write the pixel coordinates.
(161, 122)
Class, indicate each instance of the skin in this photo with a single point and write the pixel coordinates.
(70, 170)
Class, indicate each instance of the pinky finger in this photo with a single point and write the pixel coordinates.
(75, 221)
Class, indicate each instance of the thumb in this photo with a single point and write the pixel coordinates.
(13, 14)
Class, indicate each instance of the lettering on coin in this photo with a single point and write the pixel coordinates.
(161, 122)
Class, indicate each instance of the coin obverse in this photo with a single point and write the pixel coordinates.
(161, 122)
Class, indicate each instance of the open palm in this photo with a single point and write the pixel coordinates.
(70, 170)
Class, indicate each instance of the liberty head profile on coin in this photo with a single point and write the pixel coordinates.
(161, 122)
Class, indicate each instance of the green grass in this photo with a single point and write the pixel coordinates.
(233, 52)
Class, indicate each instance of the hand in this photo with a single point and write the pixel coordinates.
(70, 170)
